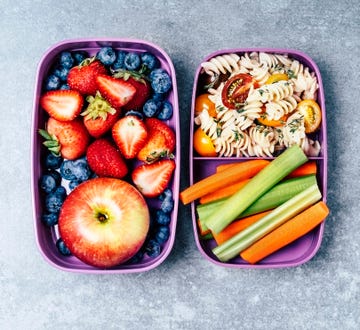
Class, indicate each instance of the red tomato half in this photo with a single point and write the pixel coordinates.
(236, 90)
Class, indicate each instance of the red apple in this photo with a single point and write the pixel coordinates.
(104, 221)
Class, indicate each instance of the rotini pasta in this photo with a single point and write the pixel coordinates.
(236, 130)
(221, 64)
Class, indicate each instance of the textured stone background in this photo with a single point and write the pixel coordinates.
(186, 291)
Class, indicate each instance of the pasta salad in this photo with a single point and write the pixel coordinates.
(257, 104)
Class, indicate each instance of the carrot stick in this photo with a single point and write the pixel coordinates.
(223, 192)
(286, 233)
(241, 171)
(236, 227)
(305, 169)
(203, 231)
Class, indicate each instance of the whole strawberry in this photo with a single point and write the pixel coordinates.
(66, 138)
(105, 159)
(83, 77)
(99, 116)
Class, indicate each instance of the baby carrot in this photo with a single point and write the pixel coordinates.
(241, 171)
(223, 192)
(237, 226)
(286, 233)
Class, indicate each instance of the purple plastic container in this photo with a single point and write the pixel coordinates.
(305, 247)
(45, 236)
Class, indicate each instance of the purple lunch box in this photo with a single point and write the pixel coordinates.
(304, 248)
(46, 237)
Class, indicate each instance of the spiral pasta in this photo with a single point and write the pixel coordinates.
(275, 110)
(221, 64)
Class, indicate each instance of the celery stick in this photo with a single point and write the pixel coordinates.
(269, 222)
(280, 167)
(277, 195)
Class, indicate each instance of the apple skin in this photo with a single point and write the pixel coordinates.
(104, 222)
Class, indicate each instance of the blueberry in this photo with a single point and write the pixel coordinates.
(66, 60)
(56, 175)
(64, 87)
(81, 169)
(119, 62)
(50, 219)
(47, 183)
(135, 113)
(79, 56)
(61, 72)
(66, 170)
(132, 61)
(162, 235)
(52, 161)
(53, 202)
(151, 108)
(52, 82)
(167, 193)
(166, 111)
(162, 218)
(62, 248)
(60, 191)
(160, 81)
(73, 184)
(153, 248)
(150, 60)
(106, 55)
(167, 205)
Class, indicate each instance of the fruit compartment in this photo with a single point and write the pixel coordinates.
(46, 237)
(304, 248)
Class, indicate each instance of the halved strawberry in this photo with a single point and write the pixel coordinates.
(153, 179)
(99, 116)
(142, 85)
(83, 77)
(63, 105)
(68, 138)
(117, 91)
(105, 159)
(160, 143)
(129, 134)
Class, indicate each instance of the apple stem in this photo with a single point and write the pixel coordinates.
(102, 217)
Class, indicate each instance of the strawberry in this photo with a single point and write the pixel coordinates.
(116, 91)
(160, 143)
(129, 134)
(153, 179)
(83, 77)
(68, 139)
(63, 105)
(105, 159)
(141, 84)
(99, 116)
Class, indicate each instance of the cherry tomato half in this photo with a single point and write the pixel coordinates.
(202, 102)
(276, 77)
(203, 144)
(236, 90)
(311, 111)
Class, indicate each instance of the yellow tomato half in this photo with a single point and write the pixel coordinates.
(203, 144)
(311, 111)
(202, 102)
(276, 77)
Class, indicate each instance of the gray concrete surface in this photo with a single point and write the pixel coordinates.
(186, 291)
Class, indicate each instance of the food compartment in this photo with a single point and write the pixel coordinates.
(47, 236)
(204, 165)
